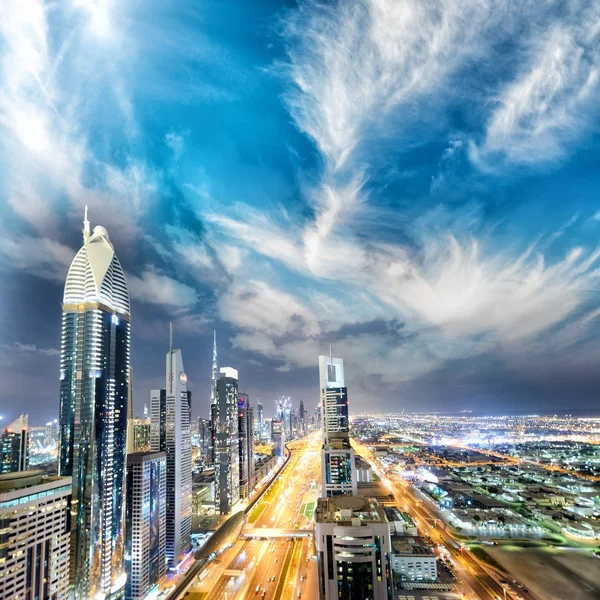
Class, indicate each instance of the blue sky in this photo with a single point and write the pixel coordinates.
(414, 182)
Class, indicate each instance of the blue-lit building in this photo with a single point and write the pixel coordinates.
(146, 525)
(94, 380)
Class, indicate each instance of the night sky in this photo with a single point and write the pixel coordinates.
(416, 183)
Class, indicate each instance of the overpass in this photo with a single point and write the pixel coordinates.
(266, 533)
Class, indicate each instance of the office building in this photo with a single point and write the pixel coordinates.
(14, 446)
(243, 435)
(353, 544)
(205, 438)
(227, 449)
(170, 432)
(141, 435)
(277, 437)
(250, 449)
(94, 373)
(34, 536)
(260, 423)
(302, 418)
(213, 402)
(146, 521)
(337, 458)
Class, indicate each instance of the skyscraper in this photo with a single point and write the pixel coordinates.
(278, 437)
(14, 446)
(302, 415)
(250, 448)
(243, 434)
(94, 378)
(227, 451)
(35, 538)
(171, 433)
(337, 458)
(213, 402)
(145, 522)
(260, 426)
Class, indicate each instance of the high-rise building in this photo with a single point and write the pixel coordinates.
(243, 434)
(302, 417)
(337, 457)
(250, 448)
(352, 538)
(145, 547)
(51, 434)
(171, 433)
(35, 538)
(277, 437)
(141, 434)
(260, 424)
(205, 438)
(14, 446)
(94, 372)
(227, 459)
(212, 459)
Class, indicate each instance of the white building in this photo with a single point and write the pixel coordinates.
(338, 470)
(34, 538)
(145, 546)
(170, 432)
(352, 538)
(413, 562)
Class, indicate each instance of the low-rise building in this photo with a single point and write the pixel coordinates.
(413, 561)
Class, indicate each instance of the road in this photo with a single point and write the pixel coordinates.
(469, 568)
(281, 568)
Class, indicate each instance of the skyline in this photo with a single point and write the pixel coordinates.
(413, 185)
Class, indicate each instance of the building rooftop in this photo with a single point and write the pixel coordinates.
(349, 511)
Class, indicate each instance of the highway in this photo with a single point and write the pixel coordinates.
(281, 568)
(470, 570)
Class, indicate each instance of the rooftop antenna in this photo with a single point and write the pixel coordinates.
(330, 355)
(86, 226)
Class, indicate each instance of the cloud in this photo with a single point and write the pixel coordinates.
(153, 287)
(176, 143)
(38, 256)
(257, 307)
(548, 105)
(32, 349)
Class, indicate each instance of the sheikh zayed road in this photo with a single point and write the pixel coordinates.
(274, 557)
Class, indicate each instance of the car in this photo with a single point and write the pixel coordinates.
(301, 577)
(257, 589)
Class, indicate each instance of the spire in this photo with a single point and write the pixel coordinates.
(330, 355)
(170, 376)
(215, 371)
(86, 226)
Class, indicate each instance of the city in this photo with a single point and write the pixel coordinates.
(299, 300)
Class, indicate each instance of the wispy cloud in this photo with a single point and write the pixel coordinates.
(32, 349)
(549, 104)
(156, 288)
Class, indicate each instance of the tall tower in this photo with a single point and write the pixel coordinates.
(211, 455)
(337, 458)
(94, 383)
(171, 433)
(14, 446)
(227, 451)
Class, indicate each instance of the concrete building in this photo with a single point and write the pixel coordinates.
(227, 444)
(14, 446)
(94, 391)
(244, 437)
(412, 561)
(353, 543)
(145, 545)
(34, 536)
(338, 470)
(171, 433)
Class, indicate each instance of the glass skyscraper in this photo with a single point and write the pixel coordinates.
(94, 378)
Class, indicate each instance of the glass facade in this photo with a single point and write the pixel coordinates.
(94, 380)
